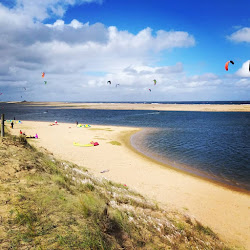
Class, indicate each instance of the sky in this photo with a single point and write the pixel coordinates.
(83, 44)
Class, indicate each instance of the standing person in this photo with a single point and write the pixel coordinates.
(12, 124)
(14, 118)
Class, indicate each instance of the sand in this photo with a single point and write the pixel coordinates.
(223, 210)
(153, 106)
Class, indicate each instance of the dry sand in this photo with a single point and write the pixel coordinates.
(153, 106)
(224, 210)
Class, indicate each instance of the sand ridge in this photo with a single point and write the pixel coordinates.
(224, 210)
(141, 106)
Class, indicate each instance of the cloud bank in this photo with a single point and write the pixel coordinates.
(79, 58)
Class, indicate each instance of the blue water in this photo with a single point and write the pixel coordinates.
(215, 145)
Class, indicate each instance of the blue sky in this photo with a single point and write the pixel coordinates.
(81, 44)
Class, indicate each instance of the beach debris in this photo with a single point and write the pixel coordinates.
(83, 145)
(226, 65)
(52, 124)
(94, 143)
(91, 144)
(154, 81)
(32, 137)
(104, 171)
(108, 82)
(83, 126)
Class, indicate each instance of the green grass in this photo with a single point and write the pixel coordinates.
(115, 143)
(51, 206)
(105, 129)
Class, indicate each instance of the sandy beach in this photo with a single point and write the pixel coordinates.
(224, 210)
(141, 106)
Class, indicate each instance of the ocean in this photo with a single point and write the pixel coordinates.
(214, 145)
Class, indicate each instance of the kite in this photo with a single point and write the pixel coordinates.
(226, 65)
(149, 90)
(1, 93)
(154, 82)
(45, 82)
(43, 74)
(117, 85)
(108, 82)
(249, 66)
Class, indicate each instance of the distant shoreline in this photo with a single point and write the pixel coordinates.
(144, 106)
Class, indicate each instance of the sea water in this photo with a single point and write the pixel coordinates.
(215, 145)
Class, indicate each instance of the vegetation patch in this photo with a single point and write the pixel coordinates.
(52, 204)
(105, 129)
(115, 143)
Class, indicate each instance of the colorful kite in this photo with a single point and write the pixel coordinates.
(43, 74)
(154, 82)
(226, 65)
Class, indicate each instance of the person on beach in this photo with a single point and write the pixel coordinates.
(12, 124)
(76, 123)
(21, 132)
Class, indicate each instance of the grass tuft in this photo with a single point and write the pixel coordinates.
(115, 143)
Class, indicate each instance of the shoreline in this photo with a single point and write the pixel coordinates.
(127, 141)
(196, 173)
(224, 210)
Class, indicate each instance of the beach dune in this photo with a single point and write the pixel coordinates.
(224, 210)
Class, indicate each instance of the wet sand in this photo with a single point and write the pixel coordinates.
(224, 210)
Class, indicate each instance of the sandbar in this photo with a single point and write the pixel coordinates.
(142, 106)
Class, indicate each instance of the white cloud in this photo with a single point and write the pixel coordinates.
(73, 55)
(242, 35)
(42, 9)
(244, 71)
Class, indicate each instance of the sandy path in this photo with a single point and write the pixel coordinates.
(225, 211)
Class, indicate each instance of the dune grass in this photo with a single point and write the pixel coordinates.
(52, 204)
(117, 143)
